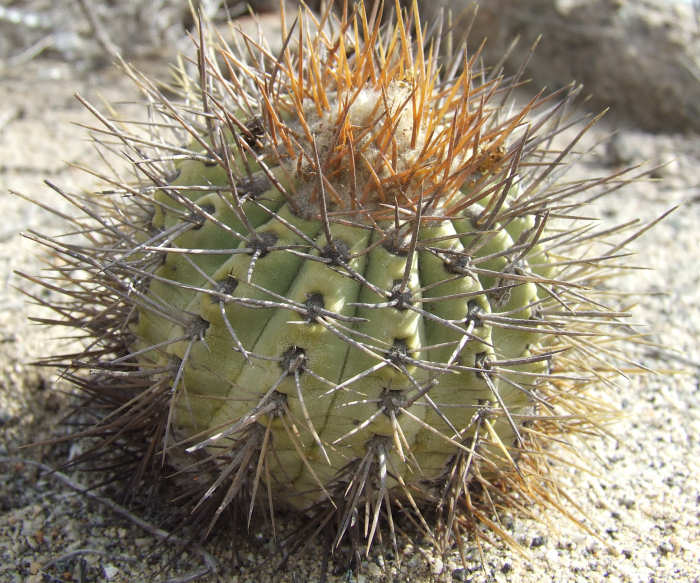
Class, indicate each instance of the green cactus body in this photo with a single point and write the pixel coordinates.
(358, 286)
(406, 361)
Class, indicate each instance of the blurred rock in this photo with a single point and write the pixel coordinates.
(640, 57)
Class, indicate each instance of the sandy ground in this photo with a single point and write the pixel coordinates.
(642, 495)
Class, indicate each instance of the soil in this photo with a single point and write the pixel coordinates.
(638, 498)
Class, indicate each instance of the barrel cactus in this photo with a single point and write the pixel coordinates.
(348, 279)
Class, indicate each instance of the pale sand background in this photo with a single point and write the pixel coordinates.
(643, 499)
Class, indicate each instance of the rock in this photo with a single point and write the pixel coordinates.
(641, 58)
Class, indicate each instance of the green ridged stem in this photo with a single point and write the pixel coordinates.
(220, 384)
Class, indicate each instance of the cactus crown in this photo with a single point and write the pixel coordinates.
(370, 113)
(356, 285)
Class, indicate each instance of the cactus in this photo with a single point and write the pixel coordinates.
(346, 280)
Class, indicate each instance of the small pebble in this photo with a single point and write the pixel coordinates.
(110, 571)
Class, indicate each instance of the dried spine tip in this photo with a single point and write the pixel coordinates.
(356, 287)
